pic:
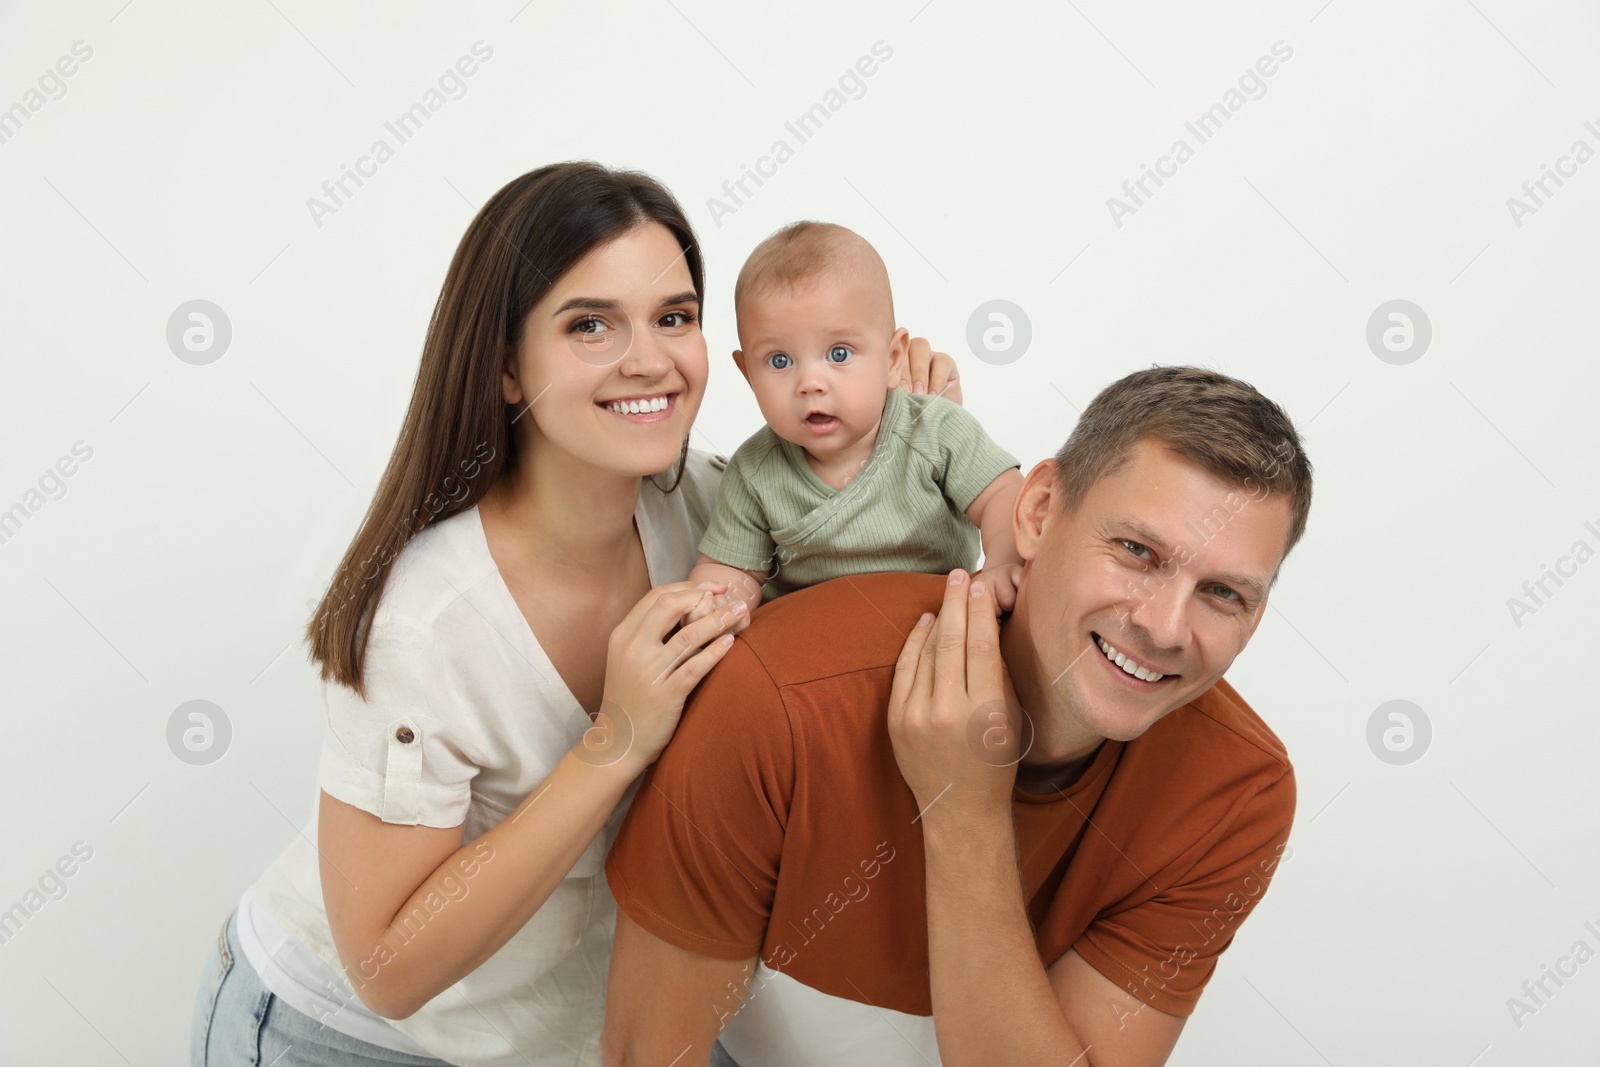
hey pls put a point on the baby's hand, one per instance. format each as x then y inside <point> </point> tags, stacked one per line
<point>727,584</point>
<point>710,605</point>
<point>1003,579</point>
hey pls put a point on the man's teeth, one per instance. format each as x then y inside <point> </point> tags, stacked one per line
<point>639,407</point>
<point>1127,664</point>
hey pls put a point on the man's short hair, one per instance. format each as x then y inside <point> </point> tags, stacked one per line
<point>801,251</point>
<point>1218,422</point>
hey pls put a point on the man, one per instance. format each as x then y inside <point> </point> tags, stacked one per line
<point>902,841</point>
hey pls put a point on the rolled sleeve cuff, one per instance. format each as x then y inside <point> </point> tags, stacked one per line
<point>398,794</point>
<point>665,929</point>
<point>1149,984</point>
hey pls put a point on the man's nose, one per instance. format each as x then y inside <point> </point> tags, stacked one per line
<point>1163,613</point>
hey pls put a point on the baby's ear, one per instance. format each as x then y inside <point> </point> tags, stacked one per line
<point>899,348</point>
<point>738,359</point>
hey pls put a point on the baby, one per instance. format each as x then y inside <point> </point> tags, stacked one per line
<point>850,475</point>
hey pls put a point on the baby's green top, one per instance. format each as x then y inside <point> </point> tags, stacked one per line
<point>905,510</point>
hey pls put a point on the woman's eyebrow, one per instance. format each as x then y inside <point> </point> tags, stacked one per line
<point>588,302</point>
<point>592,303</point>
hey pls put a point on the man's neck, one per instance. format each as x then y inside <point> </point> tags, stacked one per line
<point>1054,777</point>
<point>1061,745</point>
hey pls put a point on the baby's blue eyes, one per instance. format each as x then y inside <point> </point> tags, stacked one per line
<point>837,354</point>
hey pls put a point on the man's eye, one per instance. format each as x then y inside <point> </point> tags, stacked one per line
<point>778,361</point>
<point>1226,594</point>
<point>1135,547</point>
<point>839,354</point>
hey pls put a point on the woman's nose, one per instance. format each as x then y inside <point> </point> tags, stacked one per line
<point>646,357</point>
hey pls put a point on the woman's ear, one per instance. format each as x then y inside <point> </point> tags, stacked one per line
<point>510,388</point>
<point>899,348</point>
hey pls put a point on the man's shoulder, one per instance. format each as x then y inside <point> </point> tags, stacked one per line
<point>844,626</point>
<point>1213,750</point>
<point>1222,712</point>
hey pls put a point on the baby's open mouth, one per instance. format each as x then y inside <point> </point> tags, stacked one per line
<point>820,422</point>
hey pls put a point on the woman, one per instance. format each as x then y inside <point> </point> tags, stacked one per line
<point>504,649</point>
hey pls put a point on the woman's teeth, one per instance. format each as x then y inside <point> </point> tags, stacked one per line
<point>1128,666</point>
<point>638,407</point>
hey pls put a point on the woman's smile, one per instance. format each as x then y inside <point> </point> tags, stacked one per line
<point>642,407</point>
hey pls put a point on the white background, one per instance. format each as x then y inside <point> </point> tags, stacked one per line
<point>180,562</point>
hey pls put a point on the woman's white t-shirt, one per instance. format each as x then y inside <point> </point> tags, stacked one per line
<point>464,716</point>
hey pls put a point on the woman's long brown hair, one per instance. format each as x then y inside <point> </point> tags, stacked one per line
<point>456,440</point>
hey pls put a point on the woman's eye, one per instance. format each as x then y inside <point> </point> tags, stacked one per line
<point>587,324</point>
<point>1135,547</point>
<point>683,318</point>
<point>839,354</point>
<point>778,361</point>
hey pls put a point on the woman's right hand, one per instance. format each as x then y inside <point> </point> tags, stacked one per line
<point>654,660</point>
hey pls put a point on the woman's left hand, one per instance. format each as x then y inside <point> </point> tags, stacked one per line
<point>930,372</point>
<point>954,720</point>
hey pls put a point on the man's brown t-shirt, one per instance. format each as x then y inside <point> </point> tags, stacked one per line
<point>777,825</point>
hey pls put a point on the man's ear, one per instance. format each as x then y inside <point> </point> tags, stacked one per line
<point>738,359</point>
<point>899,348</point>
<point>1035,501</point>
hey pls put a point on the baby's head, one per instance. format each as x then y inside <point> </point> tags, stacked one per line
<point>817,339</point>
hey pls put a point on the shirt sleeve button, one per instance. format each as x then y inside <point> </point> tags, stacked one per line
<point>404,735</point>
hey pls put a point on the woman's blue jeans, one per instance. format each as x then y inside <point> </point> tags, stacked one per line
<point>238,1022</point>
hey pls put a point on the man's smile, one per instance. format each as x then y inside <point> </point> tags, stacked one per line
<point>1133,671</point>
